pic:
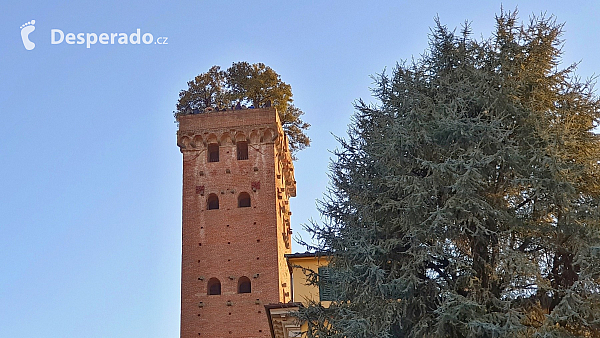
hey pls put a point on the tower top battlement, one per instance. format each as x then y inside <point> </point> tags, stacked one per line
<point>255,126</point>
<point>228,118</point>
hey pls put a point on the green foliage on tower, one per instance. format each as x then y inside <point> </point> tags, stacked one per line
<point>465,203</point>
<point>244,84</point>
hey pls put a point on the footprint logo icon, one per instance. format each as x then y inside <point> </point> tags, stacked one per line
<point>26,29</point>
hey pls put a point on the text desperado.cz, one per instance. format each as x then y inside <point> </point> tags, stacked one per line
<point>57,36</point>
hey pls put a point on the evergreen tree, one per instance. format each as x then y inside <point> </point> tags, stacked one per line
<point>465,203</point>
<point>243,83</point>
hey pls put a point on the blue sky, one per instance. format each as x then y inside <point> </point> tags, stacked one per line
<point>90,202</point>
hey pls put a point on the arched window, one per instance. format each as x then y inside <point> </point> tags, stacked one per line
<point>242,150</point>
<point>213,152</point>
<point>213,202</point>
<point>214,287</point>
<point>244,285</point>
<point>244,200</point>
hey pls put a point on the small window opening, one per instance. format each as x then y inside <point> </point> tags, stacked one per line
<point>214,286</point>
<point>244,200</point>
<point>213,152</point>
<point>213,202</point>
<point>242,150</point>
<point>244,285</point>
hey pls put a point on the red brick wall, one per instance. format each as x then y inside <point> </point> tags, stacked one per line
<point>232,242</point>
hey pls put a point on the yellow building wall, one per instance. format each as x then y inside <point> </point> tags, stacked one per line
<point>303,292</point>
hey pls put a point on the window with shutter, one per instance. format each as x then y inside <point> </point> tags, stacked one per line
<point>325,287</point>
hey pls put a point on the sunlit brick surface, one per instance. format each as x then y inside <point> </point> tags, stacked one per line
<point>232,242</point>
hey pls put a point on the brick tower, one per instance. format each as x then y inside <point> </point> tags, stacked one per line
<point>237,179</point>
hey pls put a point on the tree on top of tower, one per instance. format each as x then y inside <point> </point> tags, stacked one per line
<point>205,90</point>
<point>255,85</point>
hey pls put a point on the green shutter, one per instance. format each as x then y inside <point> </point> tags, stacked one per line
<point>325,289</point>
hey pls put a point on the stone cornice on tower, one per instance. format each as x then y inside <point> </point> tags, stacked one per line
<point>259,126</point>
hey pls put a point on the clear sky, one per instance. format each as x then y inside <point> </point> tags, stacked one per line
<point>90,174</point>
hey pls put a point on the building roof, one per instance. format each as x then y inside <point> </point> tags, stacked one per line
<point>306,254</point>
